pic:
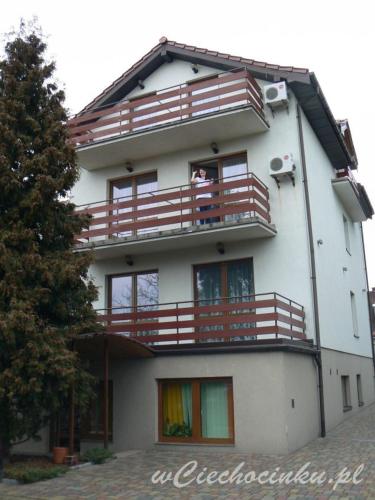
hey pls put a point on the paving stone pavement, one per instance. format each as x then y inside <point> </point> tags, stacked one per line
<point>129,476</point>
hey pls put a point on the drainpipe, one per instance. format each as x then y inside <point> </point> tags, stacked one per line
<point>369,305</point>
<point>318,356</point>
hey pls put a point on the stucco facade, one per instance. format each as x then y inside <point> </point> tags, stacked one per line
<point>276,406</point>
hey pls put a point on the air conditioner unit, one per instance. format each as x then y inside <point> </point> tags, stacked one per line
<point>275,94</point>
<point>282,165</point>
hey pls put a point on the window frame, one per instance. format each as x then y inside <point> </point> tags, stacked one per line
<point>196,412</point>
<point>346,234</point>
<point>134,278</point>
<point>219,159</point>
<point>346,395</point>
<point>132,179</point>
<point>353,308</point>
<point>359,390</point>
<point>223,265</point>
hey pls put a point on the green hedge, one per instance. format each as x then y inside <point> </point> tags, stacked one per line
<point>31,474</point>
<point>97,455</point>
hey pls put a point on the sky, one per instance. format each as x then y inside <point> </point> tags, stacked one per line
<point>94,42</point>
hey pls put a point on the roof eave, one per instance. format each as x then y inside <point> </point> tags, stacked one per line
<point>317,111</point>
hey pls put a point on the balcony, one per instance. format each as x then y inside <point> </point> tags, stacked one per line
<point>170,218</point>
<point>244,319</point>
<point>223,107</point>
<point>352,195</point>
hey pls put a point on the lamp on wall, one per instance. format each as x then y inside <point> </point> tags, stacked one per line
<point>195,68</point>
<point>220,248</point>
<point>129,260</point>
<point>214,147</point>
<point>129,167</point>
<point>141,84</point>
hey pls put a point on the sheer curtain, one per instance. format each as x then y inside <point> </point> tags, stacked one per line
<point>209,290</point>
<point>240,286</point>
<point>236,166</point>
<point>214,410</point>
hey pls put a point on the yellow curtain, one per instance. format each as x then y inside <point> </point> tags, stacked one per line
<point>172,404</point>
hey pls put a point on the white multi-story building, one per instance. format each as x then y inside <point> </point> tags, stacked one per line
<point>245,323</point>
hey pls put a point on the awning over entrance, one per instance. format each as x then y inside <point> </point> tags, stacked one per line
<point>118,346</point>
<point>105,347</point>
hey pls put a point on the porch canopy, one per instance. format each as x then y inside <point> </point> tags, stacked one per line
<point>115,345</point>
<point>105,346</point>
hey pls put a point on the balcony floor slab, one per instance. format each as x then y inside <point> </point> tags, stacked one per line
<point>174,136</point>
<point>189,237</point>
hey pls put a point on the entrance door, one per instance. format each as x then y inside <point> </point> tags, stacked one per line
<point>224,282</point>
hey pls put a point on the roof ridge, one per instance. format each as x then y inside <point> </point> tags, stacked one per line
<point>225,55</point>
<point>192,48</point>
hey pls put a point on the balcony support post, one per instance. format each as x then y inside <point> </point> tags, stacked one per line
<point>71,420</point>
<point>106,393</point>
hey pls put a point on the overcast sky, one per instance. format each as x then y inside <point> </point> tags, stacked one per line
<point>95,42</point>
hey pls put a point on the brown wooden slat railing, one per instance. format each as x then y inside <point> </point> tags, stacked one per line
<point>232,89</point>
<point>232,319</point>
<point>242,197</point>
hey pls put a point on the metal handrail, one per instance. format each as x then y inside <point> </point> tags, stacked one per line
<point>275,295</point>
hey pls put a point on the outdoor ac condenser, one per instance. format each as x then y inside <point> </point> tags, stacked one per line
<point>275,94</point>
<point>282,165</point>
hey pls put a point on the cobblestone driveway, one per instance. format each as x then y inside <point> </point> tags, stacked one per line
<point>129,477</point>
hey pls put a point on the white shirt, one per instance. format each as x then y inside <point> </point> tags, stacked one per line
<point>202,183</point>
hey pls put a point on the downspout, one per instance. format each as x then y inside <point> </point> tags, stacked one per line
<point>369,305</point>
<point>318,356</point>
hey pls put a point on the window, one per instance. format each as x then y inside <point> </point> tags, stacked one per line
<point>139,291</point>
<point>359,391</point>
<point>93,420</point>
<point>133,188</point>
<point>196,410</point>
<point>346,232</point>
<point>224,282</point>
<point>345,387</point>
<point>354,314</point>
<point>226,169</point>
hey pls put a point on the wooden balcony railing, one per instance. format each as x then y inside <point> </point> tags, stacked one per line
<point>221,92</point>
<point>268,315</point>
<point>233,199</point>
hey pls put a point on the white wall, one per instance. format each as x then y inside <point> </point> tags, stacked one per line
<point>262,382</point>
<point>333,281</point>
<point>170,75</point>
<point>281,263</point>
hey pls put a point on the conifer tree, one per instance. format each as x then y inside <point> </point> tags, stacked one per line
<point>45,291</point>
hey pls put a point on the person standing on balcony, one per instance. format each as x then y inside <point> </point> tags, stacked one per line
<point>199,179</point>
